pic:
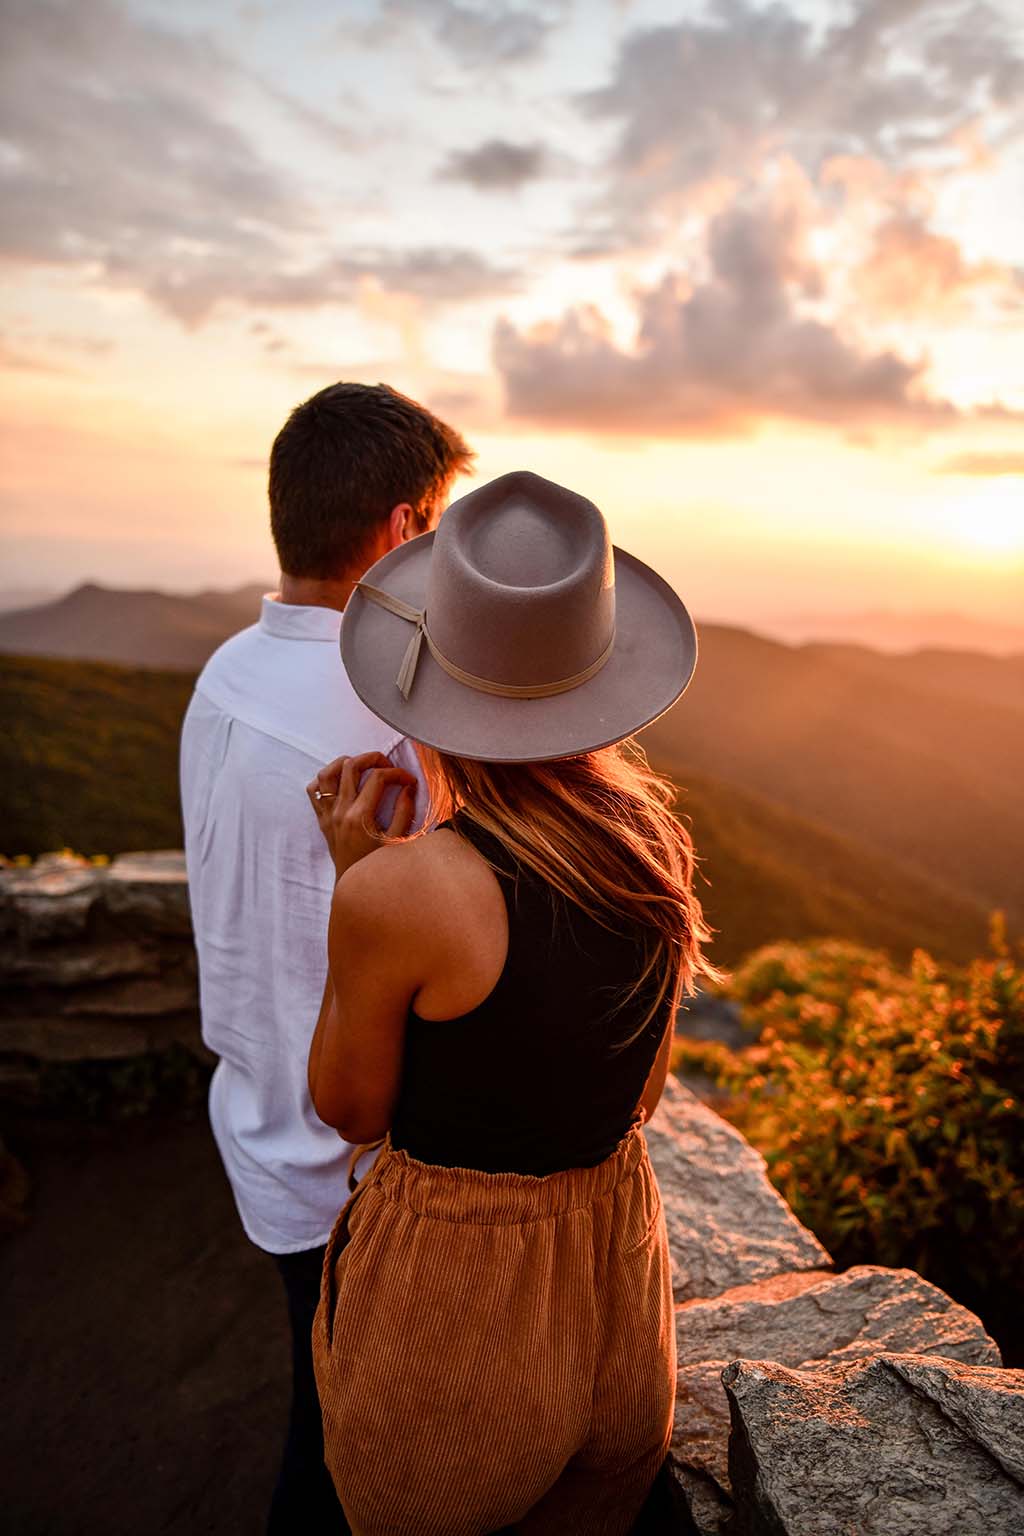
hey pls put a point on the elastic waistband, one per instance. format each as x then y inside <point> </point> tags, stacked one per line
<point>500,1199</point>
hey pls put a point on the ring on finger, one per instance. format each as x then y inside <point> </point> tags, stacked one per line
<point>323,794</point>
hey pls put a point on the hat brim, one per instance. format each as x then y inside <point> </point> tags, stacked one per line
<point>652,661</point>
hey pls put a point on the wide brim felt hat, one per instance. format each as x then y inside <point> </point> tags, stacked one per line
<point>516,632</point>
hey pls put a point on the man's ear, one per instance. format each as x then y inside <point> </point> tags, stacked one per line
<point>400,524</point>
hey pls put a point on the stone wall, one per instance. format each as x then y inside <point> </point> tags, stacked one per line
<point>808,1403</point>
<point>96,962</point>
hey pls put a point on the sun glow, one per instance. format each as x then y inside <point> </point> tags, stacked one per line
<point>989,519</point>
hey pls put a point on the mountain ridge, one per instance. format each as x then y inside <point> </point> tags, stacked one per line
<point>53,627</point>
<point>90,761</point>
<point>912,758</point>
<point>131,627</point>
<point>896,633</point>
<point>928,775</point>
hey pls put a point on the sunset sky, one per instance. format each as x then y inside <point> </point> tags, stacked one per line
<point>749,275</point>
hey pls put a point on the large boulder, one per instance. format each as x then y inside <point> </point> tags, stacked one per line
<point>727,1225</point>
<point>797,1319</point>
<point>709,1016</point>
<point>892,1446</point>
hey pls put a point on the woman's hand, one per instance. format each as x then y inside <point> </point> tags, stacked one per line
<point>346,809</point>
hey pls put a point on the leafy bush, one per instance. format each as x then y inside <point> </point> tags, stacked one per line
<point>830,970</point>
<point>889,1105</point>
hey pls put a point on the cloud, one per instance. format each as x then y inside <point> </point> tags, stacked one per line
<point>717,355</point>
<point>497,165</point>
<point>784,172</point>
<point>911,271</point>
<point>14,360</point>
<point>120,158</point>
<point>456,402</point>
<point>719,97</point>
<point>994,463</point>
<point>90,346</point>
<point>433,274</point>
<point>483,34</point>
<point>14,357</point>
<point>430,275</point>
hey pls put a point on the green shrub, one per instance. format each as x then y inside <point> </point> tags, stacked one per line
<point>889,1106</point>
<point>785,975</point>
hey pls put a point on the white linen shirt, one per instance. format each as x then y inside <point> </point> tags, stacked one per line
<point>271,706</point>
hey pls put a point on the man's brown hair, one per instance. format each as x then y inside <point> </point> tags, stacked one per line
<point>339,464</point>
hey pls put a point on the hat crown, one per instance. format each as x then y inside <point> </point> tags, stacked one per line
<point>521,588</point>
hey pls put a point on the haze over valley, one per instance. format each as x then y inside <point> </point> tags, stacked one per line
<point>831,788</point>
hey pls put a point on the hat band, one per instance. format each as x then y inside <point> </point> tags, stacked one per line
<point>407,671</point>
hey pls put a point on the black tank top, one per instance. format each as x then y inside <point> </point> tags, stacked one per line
<point>530,1081</point>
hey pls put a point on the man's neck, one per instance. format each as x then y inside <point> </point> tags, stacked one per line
<point>308,592</point>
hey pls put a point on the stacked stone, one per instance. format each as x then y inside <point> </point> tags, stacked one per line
<point>811,1403</point>
<point>96,962</point>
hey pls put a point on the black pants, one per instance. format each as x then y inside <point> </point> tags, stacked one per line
<point>304,1499</point>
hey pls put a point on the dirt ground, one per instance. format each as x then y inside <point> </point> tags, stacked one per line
<point>144,1369</point>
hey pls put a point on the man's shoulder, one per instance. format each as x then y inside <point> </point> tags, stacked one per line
<point>230,652</point>
<point>294,693</point>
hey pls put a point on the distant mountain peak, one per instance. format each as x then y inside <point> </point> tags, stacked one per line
<point>137,628</point>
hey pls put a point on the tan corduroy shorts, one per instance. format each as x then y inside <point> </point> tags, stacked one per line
<point>497,1349</point>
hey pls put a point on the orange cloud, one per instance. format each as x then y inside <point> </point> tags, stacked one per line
<point>983,464</point>
<point>719,354</point>
<point>911,270</point>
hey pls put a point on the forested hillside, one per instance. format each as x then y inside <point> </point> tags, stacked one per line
<point>90,755</point>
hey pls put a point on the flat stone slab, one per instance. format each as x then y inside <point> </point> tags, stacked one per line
<point>151,888</point>
<point>53,898</point>
<point>138,998</point>
<point>56,1039</point>
<point>161,865</point>
<point>892,1446</point>
<point>77,964</point>
<point>50,899</point>
<point>798,1319</point>
<point>727,1225</point>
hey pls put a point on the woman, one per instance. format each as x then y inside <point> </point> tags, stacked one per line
<point>495,1340</point>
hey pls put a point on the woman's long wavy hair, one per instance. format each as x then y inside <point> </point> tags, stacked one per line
<point>600,830</point>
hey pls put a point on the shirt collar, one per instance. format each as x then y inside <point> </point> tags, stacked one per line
<point>295,621</point>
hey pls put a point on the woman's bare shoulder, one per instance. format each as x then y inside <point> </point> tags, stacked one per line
<point>431,909</point>
<point>401,880</point>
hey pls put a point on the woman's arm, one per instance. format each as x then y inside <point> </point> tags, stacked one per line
<point>326,1007</point>
<point>358,1037</point>
<point>374,972</point>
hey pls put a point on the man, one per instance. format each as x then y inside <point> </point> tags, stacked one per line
<point>355,470</point>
